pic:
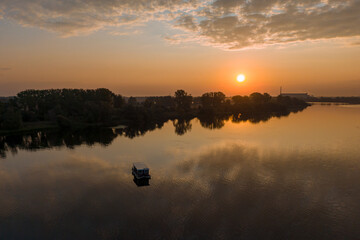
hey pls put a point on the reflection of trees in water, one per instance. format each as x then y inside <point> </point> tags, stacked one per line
<point>51,139</point>
<point>223,193</point>
<point>213,122</point>
<point>138,130</point>
<point>257,117</point>
<point>105,136</point>
<point>182,126</point>
<point>70,138</point>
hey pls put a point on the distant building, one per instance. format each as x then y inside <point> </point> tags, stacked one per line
<point>303,96</point>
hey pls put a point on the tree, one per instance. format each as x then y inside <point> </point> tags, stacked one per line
<point>63,122</point>
<point>213,100</point>
<point>267,97</point>
<point>149,102</point>
<point>132,101</point>
<point>259,98</point>
<point>256,97</point>
<point>11,120</point>
<point>104,95</point>
<point>183,101</point>
<point>237,100</point>
<point>118,101</point>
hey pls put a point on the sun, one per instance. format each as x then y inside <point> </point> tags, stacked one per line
<point>240,78</point>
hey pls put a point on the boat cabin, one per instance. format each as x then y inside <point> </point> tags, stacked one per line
<point>140,171</point>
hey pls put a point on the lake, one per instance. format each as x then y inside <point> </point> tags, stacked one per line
<point>290,177</point>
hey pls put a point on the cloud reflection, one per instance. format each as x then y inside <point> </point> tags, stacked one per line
<point>224,193</point>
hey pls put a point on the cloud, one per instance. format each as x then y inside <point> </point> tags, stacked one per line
<point>355,43</point>
<point>242,24</point>
<point>74,17</point>
<point>230,24</point>
<point>5,68</point>
<point>125,33</point>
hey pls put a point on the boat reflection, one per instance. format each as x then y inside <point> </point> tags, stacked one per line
<point>141,182</point>
<point>224,191</point>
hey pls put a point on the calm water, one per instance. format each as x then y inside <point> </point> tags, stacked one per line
<point>294,177</point>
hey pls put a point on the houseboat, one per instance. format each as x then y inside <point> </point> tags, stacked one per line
<point>140,171</point>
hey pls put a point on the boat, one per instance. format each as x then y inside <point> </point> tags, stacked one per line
<point>140,171</point>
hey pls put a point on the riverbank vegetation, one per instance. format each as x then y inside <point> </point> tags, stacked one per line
<point>79,108</point>
<point>341,100</point>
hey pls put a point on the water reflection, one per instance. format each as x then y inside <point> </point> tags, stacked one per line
<point>105,136</point>
<point>53,139</point>
<point>182,126</point>
<point>137,130</point>
<point>213,122</point>
<point>258,117</point>
<point>223,193</point>
<point>141,182</point>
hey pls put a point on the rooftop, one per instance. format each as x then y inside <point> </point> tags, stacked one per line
<point>294,94</point>
<point>140,165</point>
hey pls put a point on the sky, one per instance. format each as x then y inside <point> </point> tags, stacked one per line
<point>154,47</point>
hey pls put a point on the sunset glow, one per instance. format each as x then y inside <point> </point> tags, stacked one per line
<point>241,78</point>
<point>163,47</point>
<point>179,119</point>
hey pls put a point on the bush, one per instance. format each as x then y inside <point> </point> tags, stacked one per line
<point>63,122</point>
<point>11,120</point>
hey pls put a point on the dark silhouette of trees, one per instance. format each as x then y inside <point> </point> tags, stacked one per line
<point>237,100</point>
<point>132,101</point>
<point>259,98</point>
<point>340,100</point>
<point>79,108</point>
<point>212,100</point>
<point>90,106</point>
<point>80,114</point>
<point>10,116</point>
<point>63,122</point>
<point>118,101</point>
<point>166,103</point>
<point>10,119</point>
<point>183,101</point>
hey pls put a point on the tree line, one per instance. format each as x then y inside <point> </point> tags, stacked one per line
<point>72,108</point>
<point>347,100</point>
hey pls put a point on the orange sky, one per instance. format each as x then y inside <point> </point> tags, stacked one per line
<point>159,56</point>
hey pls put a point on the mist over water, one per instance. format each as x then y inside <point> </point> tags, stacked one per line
<point>237,182</point>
